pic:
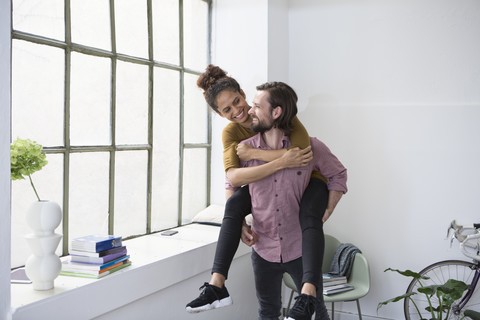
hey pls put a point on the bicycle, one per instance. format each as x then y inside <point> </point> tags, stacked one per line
<point>439,272</point>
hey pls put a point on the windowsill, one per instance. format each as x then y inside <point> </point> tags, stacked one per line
<point>157,263</point>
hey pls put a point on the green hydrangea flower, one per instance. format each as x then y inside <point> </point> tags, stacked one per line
<point>26,157</point>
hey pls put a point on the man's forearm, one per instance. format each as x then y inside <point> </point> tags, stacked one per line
<point>333,199</point>
<point>229,193</point>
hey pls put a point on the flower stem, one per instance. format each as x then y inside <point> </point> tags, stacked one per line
<point>34,190</point>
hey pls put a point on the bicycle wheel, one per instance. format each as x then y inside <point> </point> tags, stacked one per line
<point>439,273</point>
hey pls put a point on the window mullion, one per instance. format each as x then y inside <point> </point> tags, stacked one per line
<point>181,117</point>
<point>111,198</point>
<point>66,159</point>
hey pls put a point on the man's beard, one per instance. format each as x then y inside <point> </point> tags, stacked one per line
<point>261,127</point>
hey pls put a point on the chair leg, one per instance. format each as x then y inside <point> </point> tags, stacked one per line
<point>358,308</point>
<point>289,302</point>
<point>333,310</point>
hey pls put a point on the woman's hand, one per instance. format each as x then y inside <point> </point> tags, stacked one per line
<point>245,152</point>
<point>297,157</point>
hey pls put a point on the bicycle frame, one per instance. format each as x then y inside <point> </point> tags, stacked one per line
<point>457,308</point>
<point>467,242</point>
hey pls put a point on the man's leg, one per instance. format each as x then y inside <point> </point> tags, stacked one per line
<point>268,284</point>
<point>214,294</point>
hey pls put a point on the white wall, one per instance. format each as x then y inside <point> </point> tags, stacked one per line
<point>5,159</point>
<point>240,47</point>
<point>393,88</point>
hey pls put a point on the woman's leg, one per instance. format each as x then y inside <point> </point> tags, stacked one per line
<point>214,294</point>
<point>295,269</point>
<point>312,207</point>
<point>238,206</point>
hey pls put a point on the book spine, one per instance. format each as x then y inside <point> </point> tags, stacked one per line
<point>106,265</point>
<point>102,246</point>
<point>99,260</point>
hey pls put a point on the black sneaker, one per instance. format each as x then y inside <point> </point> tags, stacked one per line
<point>303,309</point>
<point>211,297</point>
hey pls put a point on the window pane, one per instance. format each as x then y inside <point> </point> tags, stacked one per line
<point>49,185</point>
<point>194,183</point>
<point>195,33</point>
<point>38,101</point>
<point>165,149</point>
<point>91,23</point>
<point>40,17</point>
<point>90,100</point>
<point>132,103</point>
<point>165,31</point>
<point>130,193</point>
<point>131,27</point>
<point>196,112</point>
<point>89,185</point>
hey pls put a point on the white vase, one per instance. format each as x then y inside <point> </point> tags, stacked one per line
<point>43,265</point>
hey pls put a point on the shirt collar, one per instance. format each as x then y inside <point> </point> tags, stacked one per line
<point>259,143</point>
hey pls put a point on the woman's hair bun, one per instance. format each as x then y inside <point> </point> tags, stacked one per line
<point>210,76</point>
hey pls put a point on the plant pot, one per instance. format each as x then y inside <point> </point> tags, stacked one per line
<point>43,266</point>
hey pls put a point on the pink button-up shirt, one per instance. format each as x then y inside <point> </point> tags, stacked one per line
<point>276,200</point>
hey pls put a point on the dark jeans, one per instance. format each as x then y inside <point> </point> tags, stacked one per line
<point>268,283</point>
<point>238,206</point>
<point>312,207</point>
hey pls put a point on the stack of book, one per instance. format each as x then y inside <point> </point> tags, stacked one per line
<point>333,284</point>
<point>95,256</point>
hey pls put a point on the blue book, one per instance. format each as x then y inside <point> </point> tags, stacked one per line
<point>96,242</point>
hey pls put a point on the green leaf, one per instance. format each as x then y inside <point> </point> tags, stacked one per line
<point>403,296</point>
<point>408,273</point>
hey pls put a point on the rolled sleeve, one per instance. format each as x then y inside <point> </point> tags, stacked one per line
<point>329,165</point>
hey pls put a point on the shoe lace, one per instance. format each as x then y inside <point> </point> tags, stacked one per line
<point>205,286</point>
<point>303,303</point>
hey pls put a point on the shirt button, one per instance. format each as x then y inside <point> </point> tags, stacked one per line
<point>281,238</point>
<point>299,173</point>
<point>279,224</point>
<point>276,195</point>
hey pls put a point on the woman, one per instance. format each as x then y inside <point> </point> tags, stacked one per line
<point>226,98</point>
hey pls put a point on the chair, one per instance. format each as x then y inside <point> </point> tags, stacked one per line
<point>359,278</point>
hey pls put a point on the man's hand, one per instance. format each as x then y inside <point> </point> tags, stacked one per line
<point>297,157</point>
<point>333,198</point>
<point>245,152</point>
<point>248,236</point>
<point>326,215</point>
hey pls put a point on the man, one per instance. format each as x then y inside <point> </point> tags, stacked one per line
<point>276,233</point>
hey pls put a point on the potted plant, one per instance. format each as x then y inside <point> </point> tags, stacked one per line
<point>446,294</point>
<point>43,266</point>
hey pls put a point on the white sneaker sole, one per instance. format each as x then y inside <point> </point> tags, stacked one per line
<point>225,302</point>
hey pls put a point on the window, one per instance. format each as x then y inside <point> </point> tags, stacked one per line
<point>108,87</point>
